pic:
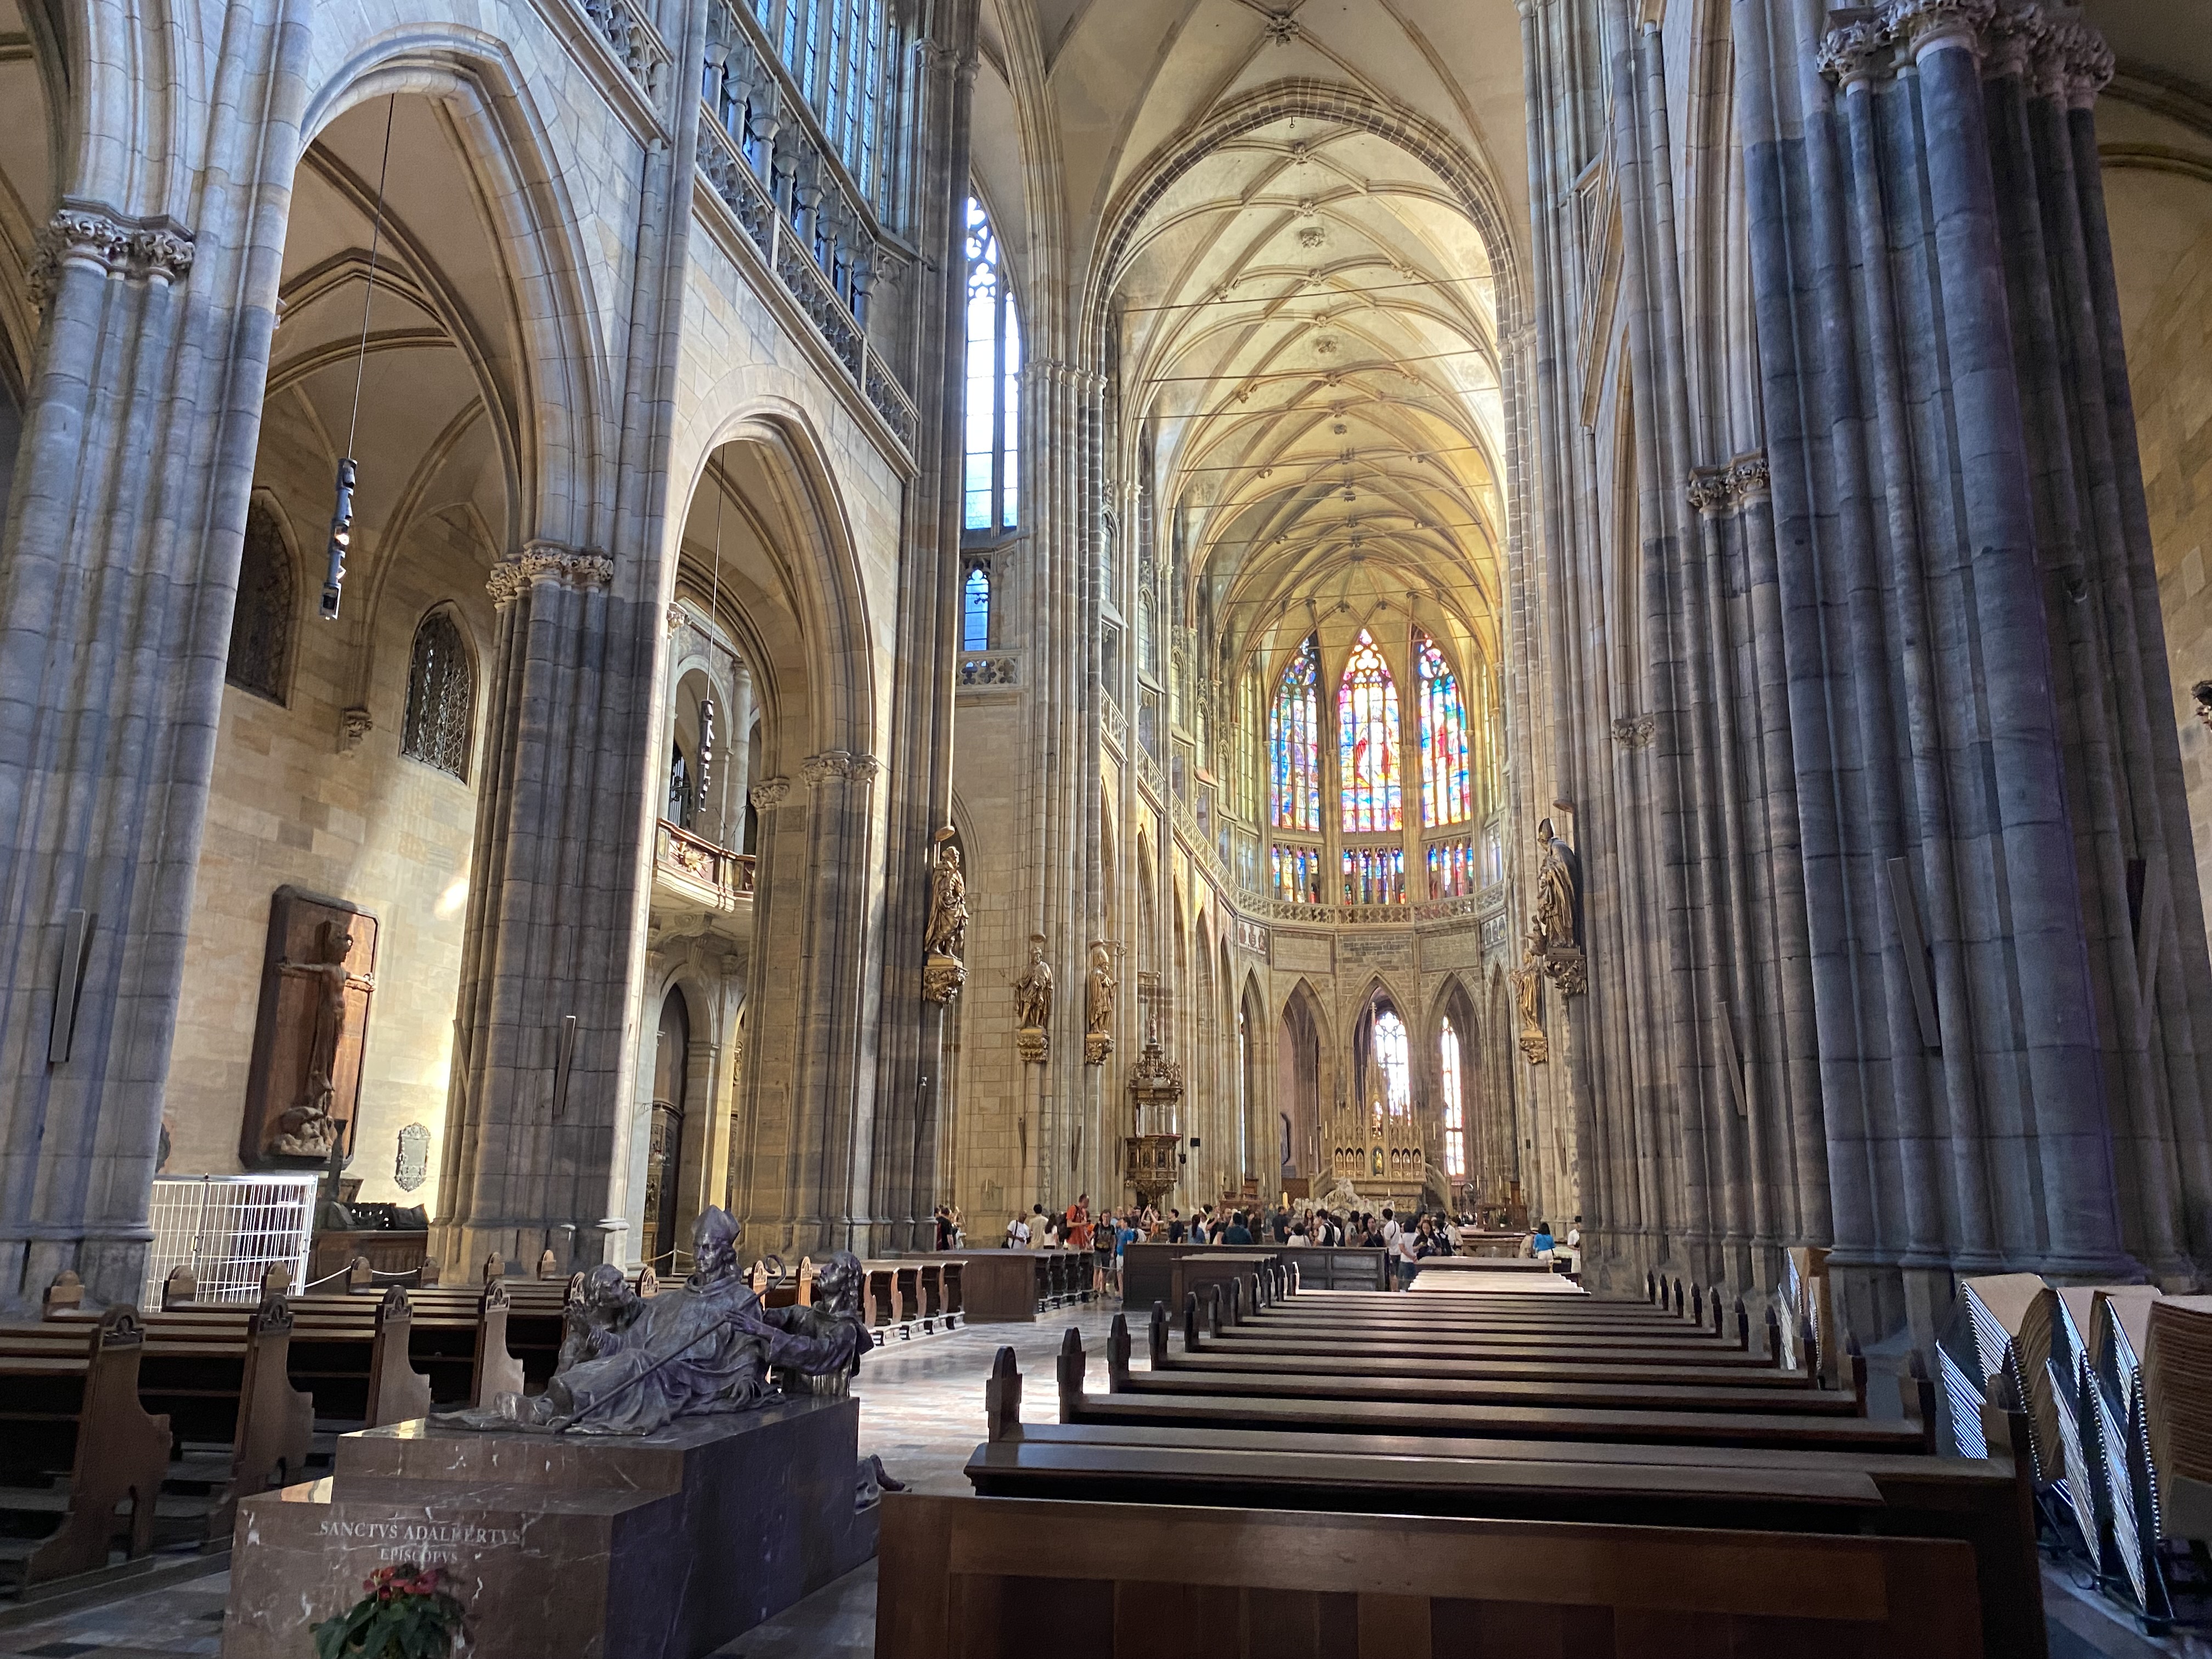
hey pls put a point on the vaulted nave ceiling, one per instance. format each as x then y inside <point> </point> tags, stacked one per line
<point>1305,310</point>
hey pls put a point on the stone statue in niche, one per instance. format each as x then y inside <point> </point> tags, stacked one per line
<point>632,1365</point>
<point>1033,989</point>
<point>1528,983</point>
<point>1556,932</point>
<point>1559,890</point>
<point>317,976</point>
<point>1099,1006</point>
<point>1033,1003</point>
<point>945,938</point>
<point>947,935</point>
<point>412,1167</point>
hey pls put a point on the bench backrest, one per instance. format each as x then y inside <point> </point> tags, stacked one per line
<point>964,1577</point>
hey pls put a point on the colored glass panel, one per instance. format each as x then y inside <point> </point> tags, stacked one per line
<point>976,610</point>
<point>1391,1058</point>
<point>1294,743</point>
<point>991,416</point>
<point>1448,1065</point>
<point>1367,740</point>
<point>1446,791</point>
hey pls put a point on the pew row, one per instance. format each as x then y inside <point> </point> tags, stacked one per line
<point>977,1578</point>
<point>82,1461</point>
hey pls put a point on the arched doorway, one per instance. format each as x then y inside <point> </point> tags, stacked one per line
<point>664,1159</point>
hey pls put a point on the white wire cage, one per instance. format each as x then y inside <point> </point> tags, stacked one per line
<point>229,1230</point>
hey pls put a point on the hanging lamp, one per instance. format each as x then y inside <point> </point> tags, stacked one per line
<point>342,511</point>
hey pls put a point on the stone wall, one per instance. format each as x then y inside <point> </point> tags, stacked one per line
<point>2163,249</point>
<point>383,832</point>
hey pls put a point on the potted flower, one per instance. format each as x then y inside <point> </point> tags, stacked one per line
<point>407,1614</point>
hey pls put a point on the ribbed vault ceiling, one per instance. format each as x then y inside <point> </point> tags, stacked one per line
<point>1307,336</point>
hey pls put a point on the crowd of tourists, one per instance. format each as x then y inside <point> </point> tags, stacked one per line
<point>1107,1234</point>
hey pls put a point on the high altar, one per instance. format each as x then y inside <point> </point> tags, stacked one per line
<point>1378,1151</point>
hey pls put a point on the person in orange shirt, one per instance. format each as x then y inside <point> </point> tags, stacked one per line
<point>1079,1223</point>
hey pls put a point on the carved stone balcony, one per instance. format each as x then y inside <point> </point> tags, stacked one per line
<point>691,875</point>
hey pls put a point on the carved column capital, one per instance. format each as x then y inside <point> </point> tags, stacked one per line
<point>87,234</point>
<point>1927,26</point>
<point>1635,731</point>
<point>1749,477</point>
<point>547,560</point>
<point>817,769</point>
<point>2078,62</point>
<point>1710,490</point>
<point>1854,54</point>
<point>770,794</point>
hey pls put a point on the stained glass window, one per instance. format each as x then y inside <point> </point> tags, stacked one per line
<point>441,697</point>
<point>991,481</point>
<point>261,620</point>
<point>1447,795</point>
<point>1367,740</point>
<point>1374,875</point>
<point>1451,868</point>
<point>975,608</point>
<point>1294,742</point>
<point>1390,1057</point>
<point>1455,1106</point>
<point>1298,873</point>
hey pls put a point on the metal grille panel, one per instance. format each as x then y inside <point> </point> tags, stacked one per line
<point>229,1230</point>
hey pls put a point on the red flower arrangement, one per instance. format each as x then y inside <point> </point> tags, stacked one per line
<point>408,1614</point>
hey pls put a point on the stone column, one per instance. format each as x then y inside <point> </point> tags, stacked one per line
<point>899,1179</point>
<point>531,1150</point>
<point>118,566</point>
<point>1980,771</point>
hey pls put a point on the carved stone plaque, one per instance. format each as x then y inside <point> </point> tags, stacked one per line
<point>413,1165</point>
<point>318,973</point>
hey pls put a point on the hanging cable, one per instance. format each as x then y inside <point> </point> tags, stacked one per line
<point>342,511</point>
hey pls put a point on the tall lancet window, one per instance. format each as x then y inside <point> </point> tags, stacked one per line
<point>1367,740</point>
<point>991,483</point>
<point>1447,792</point>
<point>1454,1102</point>
<point>1391,1058</point>
<point>1294,742</point>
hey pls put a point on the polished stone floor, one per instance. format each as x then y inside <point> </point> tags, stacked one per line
<point>922,1411</point>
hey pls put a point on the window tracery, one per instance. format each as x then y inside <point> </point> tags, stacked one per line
<point>1367,739</point>
<point>441,697</point>
<point>1447,1061</point>
<point>991,472</point>
<point>1447,790</point>
<point>261,618</point>
<point>1294,742</point>
<point>976,606</point>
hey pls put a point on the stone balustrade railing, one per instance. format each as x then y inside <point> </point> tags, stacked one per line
<point>694,859</point>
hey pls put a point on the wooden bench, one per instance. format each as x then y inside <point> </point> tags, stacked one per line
<point>220,1376</point>
<point>1350,1407</point>
<point>82,1461</point>
<point>979,1577</point>
<point>458,1338</point>
<point>351,1355</point>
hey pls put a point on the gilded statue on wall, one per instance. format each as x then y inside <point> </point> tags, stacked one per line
<point>944,937</point>
<point>947,933</point>
<point>1528,983</point>
<point>1099,1006</point>
<point>1556,928</point>
<point>1033,1002</point>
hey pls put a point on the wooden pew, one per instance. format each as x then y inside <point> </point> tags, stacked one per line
<point>1321,1409</point>
<point>1988,1505</point>
<point>220,1374</point>
<point>1445,1384</point>
<point>76,1448</point>
<point>351,1355</point>
<point>978,1577</point>
<point>457,1337</point>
